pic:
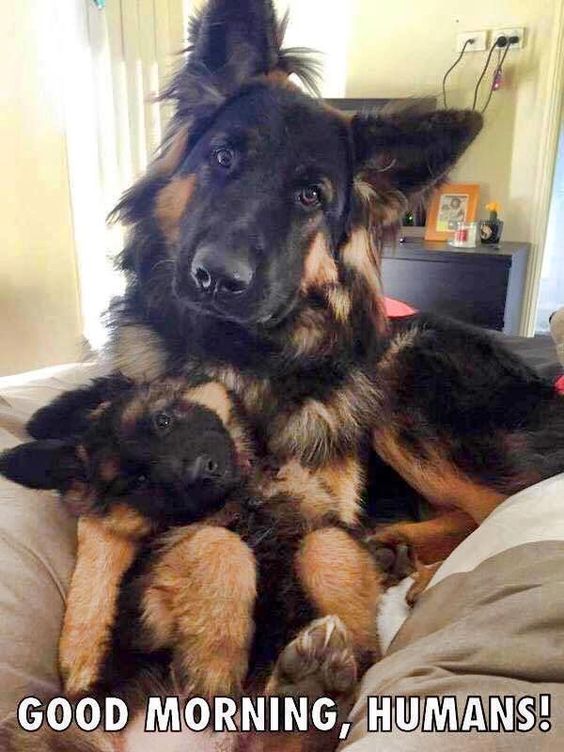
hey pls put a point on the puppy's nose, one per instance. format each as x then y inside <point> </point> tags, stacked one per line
<point>222,272</point>
<point>202,468</point>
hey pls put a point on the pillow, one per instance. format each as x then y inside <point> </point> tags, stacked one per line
<point>37,548</point>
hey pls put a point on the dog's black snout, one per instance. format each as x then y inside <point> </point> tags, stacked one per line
<point>219,272</point>
<point>204,467</point>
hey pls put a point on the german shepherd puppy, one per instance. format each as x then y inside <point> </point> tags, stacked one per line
<point>247,557</point>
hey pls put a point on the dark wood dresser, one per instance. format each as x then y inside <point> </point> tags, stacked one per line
<point>482,286</point>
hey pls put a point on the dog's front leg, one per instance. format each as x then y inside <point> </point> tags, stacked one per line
<point>199,601</point>
<point>342,579</point>
<point>103,557</point>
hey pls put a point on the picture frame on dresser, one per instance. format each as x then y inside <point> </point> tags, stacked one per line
<point>450,204</point>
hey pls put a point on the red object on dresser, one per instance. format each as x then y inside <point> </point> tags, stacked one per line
<point>396,309</point>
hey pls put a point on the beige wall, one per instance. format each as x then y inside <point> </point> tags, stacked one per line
<point>402,48</point>
<point>39,308</point>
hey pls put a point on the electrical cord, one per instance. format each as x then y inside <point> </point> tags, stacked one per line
<point>453,66</point>
<point>493,48</point>
<point>495,75</point>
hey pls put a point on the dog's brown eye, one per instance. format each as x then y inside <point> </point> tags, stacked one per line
<point>162,420</point>
<point>224,157</point>
<point>310,196</point>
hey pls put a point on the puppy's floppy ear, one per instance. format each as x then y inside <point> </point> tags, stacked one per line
<point>42,464</point>
<point>409,154</point>
<point>68,414</point>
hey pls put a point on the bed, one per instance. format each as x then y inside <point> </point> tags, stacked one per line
<point>490,622</point>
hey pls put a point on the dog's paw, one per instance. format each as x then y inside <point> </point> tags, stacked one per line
<point>421,579</point>
<point>394,558</point>
<point>319,662</point>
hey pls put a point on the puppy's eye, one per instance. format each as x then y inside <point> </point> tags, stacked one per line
<point>162,421</point>
<point>224,157</point>
<point>310,196</point>
<point>211,467</point>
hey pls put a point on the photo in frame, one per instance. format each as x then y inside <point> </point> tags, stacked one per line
<point>451,203</point>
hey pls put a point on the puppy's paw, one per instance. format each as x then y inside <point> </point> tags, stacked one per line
<point>319,662</point>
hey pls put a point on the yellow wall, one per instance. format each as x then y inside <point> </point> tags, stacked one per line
<point>402,48</point>
<point>39,308</point>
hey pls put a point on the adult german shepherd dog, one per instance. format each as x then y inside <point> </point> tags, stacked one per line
<point>253,260</point>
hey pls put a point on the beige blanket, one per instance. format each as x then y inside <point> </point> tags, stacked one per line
<point>491,625</point>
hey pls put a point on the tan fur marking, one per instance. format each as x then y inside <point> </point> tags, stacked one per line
<point>341,579</point>
<point>439,481</point>
<point>306,431</point>
<point>214,396</point>
<point>360,255</point>
<point>201,599</point>
<point>102,560</point>
<point>126,522</point>
<point>330,490</point>
<point>320,268</point>
<point>138,353</point>
<point>383,204</point>
<point>340,303</point>
<point>344,479</point>
<point>171,204</point>
<point>306,489</point>
<point>400,342</point>
<point>310,431</point>
<point>310,332</point>
<point>131,415</point>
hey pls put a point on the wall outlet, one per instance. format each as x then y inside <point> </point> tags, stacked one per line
<point>517,32</point>
<point>480,41</point>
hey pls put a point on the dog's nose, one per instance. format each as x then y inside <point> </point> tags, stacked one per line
<point>222,272</point>
<point>203,467</point>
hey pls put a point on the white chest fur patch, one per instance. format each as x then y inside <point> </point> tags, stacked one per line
<point>393,612</point>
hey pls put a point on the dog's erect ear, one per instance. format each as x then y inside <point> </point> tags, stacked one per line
<point>69,414</point>
<point>241,32</point>
<point>230,43</point>
<point>42,464</point>
<point>410,154</point>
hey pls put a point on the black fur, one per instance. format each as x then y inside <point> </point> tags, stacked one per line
<point>68,414</point>
<point>49,463</point>
<point>458,388</point>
